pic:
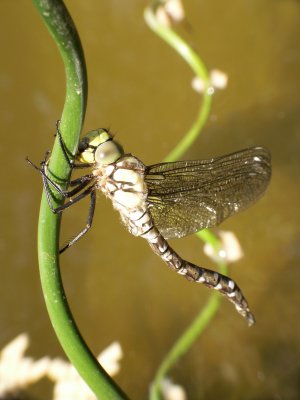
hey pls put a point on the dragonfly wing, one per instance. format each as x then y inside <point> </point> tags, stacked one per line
<point>187,196</point>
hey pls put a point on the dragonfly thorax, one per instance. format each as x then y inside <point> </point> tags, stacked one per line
<point>123,182</point>
<point>98,147</point>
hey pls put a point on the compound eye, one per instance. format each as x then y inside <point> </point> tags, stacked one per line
<point>108,153</point>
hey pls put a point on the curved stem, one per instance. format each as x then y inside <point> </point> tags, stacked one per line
<point>207,313</point>
<point>198,67</point>
<point>63,32</point>
<point>185,341</point>
<point>190,335</point>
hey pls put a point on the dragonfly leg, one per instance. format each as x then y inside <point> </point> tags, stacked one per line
<point>73,201</point>
<point>67,155</point>
<point>88,223</point>
<point>207,277</point>
<point>89,191</point>
<point>79,184</point>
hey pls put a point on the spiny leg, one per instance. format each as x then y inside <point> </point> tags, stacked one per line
<point>79,184</point>
<point>47,181</point>
<point>66,152</point>
<point>63,147</point>
<point>88,224</point>
<point>75,200</point>
<point>89,191</point>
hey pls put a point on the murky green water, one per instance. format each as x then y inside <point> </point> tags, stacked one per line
<point>117,288</point>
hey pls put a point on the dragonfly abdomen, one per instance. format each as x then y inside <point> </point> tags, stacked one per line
<point>222,284</point>
<point>192,272</point>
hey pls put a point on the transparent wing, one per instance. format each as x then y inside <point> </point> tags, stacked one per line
<point>187,196</point>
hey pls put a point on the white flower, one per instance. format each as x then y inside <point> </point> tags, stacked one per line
<point>17,371</point>
<point>217,80</point>
<point>174,9</point>
<point>172,391</point>
<point>171,10</point>
<point>110,358</point>
<point>230,249</point>
<point>69,384</point>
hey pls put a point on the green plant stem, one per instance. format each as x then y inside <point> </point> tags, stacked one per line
<point>196,328</point>
<point>198,67</point>
<point>183,344</point>
<point>207,313</point>
<point>63,32</point>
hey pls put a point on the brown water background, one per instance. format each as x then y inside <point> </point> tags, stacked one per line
<point>117,288</point>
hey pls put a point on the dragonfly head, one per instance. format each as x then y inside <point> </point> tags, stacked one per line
<point>98,147</point>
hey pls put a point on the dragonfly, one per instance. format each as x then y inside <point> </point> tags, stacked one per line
<point>166,200</point>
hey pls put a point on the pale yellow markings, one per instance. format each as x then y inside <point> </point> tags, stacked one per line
<point>110,187</point>
<point>87,156</point>
<point>182,271</point>
<point>128,199</point>
<point>136,214</point>
<point>143,220</point>
<point>152,236</point>
<point>109,169</point>
<point>231,285</point>
<point>232,294</point>
<point>126,175</point>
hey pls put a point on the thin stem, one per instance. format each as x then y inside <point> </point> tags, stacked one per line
<point>207,313</point>
<point>196,328</point>
<point>185,341</point>
<point>198,67</point>
<point>63,32</point>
